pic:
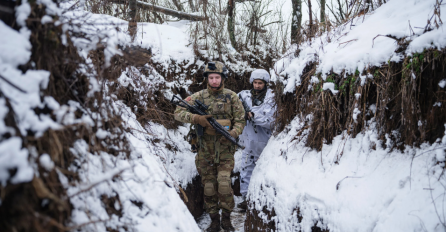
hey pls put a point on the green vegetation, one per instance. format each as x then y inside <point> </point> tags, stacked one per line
<point>376,74</point>
<point>416,62</point>
<point>349,81</point>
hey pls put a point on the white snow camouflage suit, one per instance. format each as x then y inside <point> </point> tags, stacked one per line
<point>255,142</point>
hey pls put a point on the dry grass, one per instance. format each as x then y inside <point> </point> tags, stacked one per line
<point>403,94</point>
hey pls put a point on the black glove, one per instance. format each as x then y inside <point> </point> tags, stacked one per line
<point>247,116</point>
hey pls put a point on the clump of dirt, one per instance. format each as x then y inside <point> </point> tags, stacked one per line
<point>254,223</point>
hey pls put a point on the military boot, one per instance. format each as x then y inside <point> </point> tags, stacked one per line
<point>226,222</point>
<point>215,224</point>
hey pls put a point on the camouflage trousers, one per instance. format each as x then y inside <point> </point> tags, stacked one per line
<point>216,177</point>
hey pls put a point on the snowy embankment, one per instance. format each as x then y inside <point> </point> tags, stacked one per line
<point>20,93</point>
<point>160,162</point>
<point>360,183</point>
<point>363,42</point>
<point>370,189</point>
<point>112,189</point>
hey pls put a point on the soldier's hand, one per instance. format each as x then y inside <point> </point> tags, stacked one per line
<point>249,115</point>
<point>202,120</point>
<point>223,140</point>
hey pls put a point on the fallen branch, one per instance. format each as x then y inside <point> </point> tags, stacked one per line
<point>347,41</point>
<point>11,84</point>
<point>388,36</point>
<point>167,11</point>
<point>339,183</point>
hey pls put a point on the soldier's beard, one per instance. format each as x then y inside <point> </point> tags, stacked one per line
<point>260,90</point>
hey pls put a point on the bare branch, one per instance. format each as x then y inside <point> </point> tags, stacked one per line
<point>12,84</point>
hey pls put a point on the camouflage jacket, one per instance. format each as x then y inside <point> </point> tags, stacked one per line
<point>223,104</point>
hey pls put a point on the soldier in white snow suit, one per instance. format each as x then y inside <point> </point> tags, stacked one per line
<point>260,100</point>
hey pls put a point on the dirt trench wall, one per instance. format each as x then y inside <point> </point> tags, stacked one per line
<point>43,203</point>
<point>195,198</point>
<point>401,97</point>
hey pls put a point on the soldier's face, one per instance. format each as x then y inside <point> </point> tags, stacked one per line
<point>258,84</point>
<point>214,79</point>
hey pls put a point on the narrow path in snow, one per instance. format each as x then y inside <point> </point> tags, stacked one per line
<point>237,218</point>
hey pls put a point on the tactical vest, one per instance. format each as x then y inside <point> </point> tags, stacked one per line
<point>220,107</point>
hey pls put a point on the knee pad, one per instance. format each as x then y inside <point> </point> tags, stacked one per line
<point>224,182</point>
<point>209,189</point>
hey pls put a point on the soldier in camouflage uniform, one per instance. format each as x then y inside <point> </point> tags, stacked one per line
<point>215,158</point>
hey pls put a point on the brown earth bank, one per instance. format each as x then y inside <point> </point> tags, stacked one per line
<point>43,205</point>
<point>404,94</point>
<point>194,194</point>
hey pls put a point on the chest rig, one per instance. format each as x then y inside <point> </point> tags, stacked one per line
<point>219,104</point>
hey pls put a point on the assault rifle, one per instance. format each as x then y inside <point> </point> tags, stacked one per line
<point>248,109</point>
<point>200,109</point>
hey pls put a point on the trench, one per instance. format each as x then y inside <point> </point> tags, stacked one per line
<point>195,204</point>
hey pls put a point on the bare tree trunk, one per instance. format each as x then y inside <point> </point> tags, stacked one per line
<point>311,19</point>
<point>296,21</point>
<point>255,24</point>
<point>367,6</point>
<point>341,12</point>
<point>231,7</point>
<point>206,25</point>
<point>178,5</point>
<point>132,19</point>
<point>192,6</point>
<point>323,14</point>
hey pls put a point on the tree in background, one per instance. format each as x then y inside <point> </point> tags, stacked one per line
<point>296,22</point>
<point>133,26</point>
<point>323,15</point>
<point>231,7</point>
<point>255,32</point>
<point>310,25</point>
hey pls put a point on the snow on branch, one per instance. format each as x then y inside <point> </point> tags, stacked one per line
<point>167,11</point>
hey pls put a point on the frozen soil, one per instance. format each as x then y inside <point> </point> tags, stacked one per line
<point>237,218</point>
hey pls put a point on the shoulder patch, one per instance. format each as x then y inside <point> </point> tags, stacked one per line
<point>188,99</point>
<point>228,98</point>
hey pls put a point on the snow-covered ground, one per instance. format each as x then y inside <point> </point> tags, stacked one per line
<point>147,186</point>
<point>351,185</point>
<point>356,184</point>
